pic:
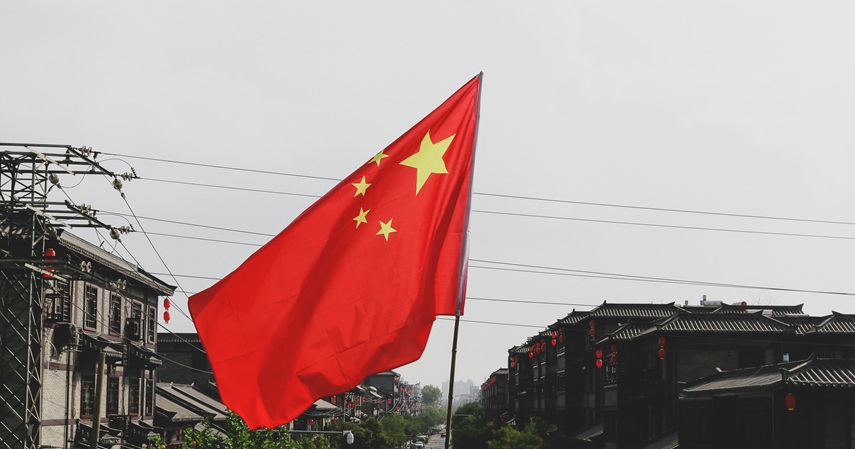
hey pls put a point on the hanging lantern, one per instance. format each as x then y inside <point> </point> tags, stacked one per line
<point>790,402</point>
<point>614,358</point>
<point>166,316</point>
<point>554,342</point>
<point>599,363</point>
<point>662,354</point>
<point>49,253</point>
<point>599,353</point>
<point>662,342</point>
<point>166,303</point>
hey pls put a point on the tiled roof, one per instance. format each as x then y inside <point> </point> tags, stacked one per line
<point>651,311</point>
<point>89,251</point>
<point>178,337</point>
<point>837,323</point>
<point>824,373</point>
<point>176,412</point>
<point>744,379</point>
<point>630,331</point>
<point>774,311</point>
<point>724,323</point>
<point>518,350</point>
<point>574,317</point>
<point>189,397</point>
<point>816,373</point>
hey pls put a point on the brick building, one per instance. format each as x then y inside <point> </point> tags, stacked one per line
<point>108,307</point>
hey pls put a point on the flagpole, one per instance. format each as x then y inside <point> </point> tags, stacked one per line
<point>464,262</point>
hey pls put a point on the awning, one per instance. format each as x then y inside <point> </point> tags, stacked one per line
<point>324,406</point>
<point>97,343</point>
<point>669,441</point>
<point>590,433</point>
<point>142,354</point>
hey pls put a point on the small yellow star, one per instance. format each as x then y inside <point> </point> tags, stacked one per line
<point>386,229</point>
<point>379,156</point>
<point>428,160</point>
<point>361,187</point>
<point>362,217</point>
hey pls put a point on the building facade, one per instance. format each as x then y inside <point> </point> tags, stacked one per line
<point>106,312</point>
<point>614,374</point>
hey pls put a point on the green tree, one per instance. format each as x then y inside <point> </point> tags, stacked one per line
<point>509,438</point>
<point>431,396</point>
<point>395,428</point>
<point>429,418</point>
<point>470,429</point>
<point>236,436</point>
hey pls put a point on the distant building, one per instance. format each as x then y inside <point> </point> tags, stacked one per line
<point>494,395</point>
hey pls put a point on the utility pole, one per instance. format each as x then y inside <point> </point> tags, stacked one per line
<point>27,220</point>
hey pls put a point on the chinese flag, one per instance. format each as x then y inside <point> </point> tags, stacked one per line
<point>353,285</point>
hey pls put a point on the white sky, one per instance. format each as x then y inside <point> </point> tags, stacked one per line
<point>734,107</point>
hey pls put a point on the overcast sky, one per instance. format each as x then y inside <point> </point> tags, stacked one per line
<point>727,107</point>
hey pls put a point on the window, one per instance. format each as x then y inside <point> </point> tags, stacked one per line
<point>152,324</point>
<point>133,326</point>
<point>115,314</point>
<point>134,395</point>
<point>58,301</point>
<point>112,395</point>
<point>90,316</point>
<point>87,396</point>
<point>149,396</point>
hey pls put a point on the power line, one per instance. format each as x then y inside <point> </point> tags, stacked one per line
<point>498,195</point>
<point>156,252</point>
<point>659,225</point>
<point>628,277</point>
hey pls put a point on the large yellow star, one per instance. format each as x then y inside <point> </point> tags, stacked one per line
<point>378,157</point>
<point>428,160</point>
<point>361,187</point>
<point>386,229</point>
<point>362,217</point>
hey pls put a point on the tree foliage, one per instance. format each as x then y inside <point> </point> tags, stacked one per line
<point>470,429</point>
<point>431,396</point>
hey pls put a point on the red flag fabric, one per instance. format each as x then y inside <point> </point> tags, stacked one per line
<point>353,285</point>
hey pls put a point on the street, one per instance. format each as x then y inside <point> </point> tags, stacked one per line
<point>435,442</point>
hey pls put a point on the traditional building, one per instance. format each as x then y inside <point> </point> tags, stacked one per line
<point>615,373</point>
<point>808,403</point>
<point>100,321</point>
<point>494,395</point>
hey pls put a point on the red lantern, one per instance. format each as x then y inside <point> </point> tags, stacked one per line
<point>662,354</point>
<point>166,303</point>
<point>790,402</point>
<point>614,358</point>
<point>554,342</point>
<point>599,353</point>
<point>166,317</point>
<point>592,332</point>
<point>614,347</point>
<point>599,363</point>
<point>49,253</point>
<point>531,355</point>
<point>662,341</point>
